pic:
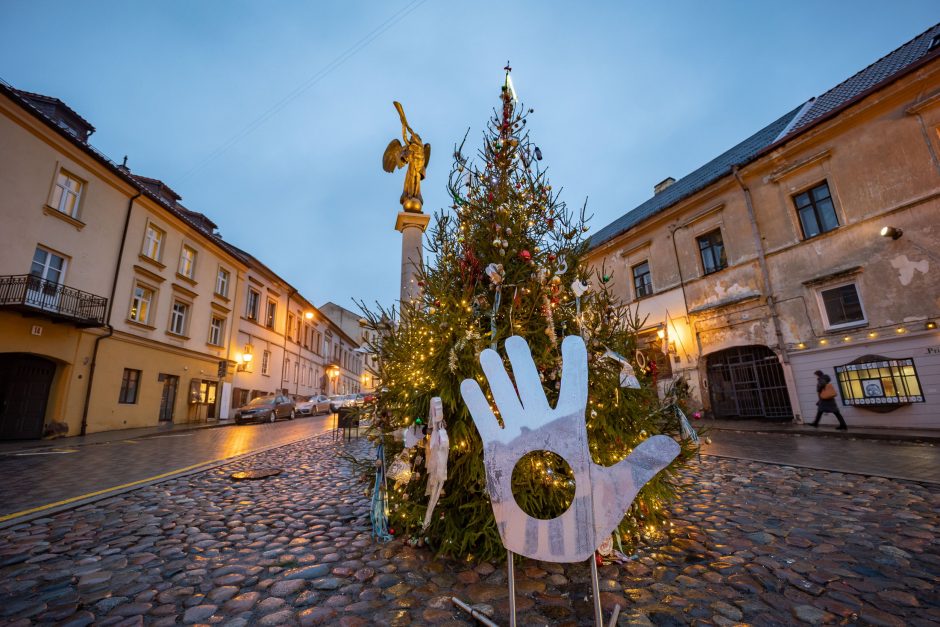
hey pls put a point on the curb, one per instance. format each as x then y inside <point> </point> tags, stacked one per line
<point>829,432</point>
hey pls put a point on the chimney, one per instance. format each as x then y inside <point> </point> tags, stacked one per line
<point>663,184</point>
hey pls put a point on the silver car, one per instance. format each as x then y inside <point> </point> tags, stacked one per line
<point>319,404</point>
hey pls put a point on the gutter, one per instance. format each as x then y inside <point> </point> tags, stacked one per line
<point>94,353</point>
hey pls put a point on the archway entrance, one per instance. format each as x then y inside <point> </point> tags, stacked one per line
<point>25,381</point>
<point>748,382</point>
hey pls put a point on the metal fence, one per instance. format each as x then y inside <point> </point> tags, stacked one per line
<point>31,292</point>
<point>748,382</point>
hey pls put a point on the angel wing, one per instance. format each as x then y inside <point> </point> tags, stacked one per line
<point>427,159</point>
<point>392,157</point>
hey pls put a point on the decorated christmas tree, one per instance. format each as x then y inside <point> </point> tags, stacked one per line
<point>506,259</point>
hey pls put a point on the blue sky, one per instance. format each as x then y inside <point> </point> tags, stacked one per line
<point>271,118</point>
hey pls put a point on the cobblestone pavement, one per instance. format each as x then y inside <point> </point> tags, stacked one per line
<point>750,543</point>
<point>48,475</point>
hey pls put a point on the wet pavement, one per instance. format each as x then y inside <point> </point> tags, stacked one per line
<point>51,474</point>
<point>749,542</point>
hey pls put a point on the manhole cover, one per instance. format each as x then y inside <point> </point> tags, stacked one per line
<point>256,473</point>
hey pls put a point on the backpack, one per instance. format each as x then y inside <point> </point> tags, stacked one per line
<point>828,392</point>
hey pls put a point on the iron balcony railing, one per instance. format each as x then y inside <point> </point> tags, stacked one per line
<point>37,295</point>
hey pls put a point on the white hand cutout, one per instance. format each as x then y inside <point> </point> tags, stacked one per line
<point>602,494</point>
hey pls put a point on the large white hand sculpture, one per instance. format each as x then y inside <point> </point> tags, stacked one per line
<point>602,494</point>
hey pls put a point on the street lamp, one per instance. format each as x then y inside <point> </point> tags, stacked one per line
<point>308,315</point>
<point>892,232</point>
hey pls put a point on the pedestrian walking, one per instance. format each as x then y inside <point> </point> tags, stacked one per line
<point>827,400</point>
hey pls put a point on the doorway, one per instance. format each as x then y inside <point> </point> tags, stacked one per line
<point>25,381</point>
<point>748,382</point>
<point>168,397</point>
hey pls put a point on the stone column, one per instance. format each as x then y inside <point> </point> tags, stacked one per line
<point>412,226</point>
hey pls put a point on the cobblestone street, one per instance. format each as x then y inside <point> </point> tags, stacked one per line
<point>751,542</point>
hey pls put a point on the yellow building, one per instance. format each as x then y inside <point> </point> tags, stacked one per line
<point>767,263</point>
<point>121,308</point>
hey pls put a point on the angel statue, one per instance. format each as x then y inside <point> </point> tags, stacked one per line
<point>415,155</point>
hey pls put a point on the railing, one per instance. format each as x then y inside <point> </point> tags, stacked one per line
<point>29,292</point>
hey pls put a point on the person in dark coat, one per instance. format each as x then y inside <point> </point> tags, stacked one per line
<point>826,405</point>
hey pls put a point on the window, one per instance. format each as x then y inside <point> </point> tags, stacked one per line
<point>221,282</point>
<point>286,374</point>
<point>153,243</point>
<point>47,265</point>
<point>296,371</point>
<point>178,316</point>
<point>642,281</point>
<point>842,306</point>
<point>270,317</point>
<point>290,326</point>
<point>712,249</point>
<point>251,309</point>
<point>876,380</point>
<point>265,361</point>
<point>817,215</point>
<point>66,194</point>
<point>187,262</point>
<point>140,304</point>
<point>216,330</point>
<point>129,386</point>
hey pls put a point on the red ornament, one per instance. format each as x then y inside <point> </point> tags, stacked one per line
<point>551,223</point>
<point>525,255</point>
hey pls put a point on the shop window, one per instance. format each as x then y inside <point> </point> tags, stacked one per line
<point>876,381</point>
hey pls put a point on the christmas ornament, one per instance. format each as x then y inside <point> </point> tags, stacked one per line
<point>578,287</point>
<point>525,255</point>
<point>496,273</point>
<point>437,449</point>
<point>627,375</point>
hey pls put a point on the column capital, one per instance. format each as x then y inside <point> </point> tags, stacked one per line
<point>409,218</point>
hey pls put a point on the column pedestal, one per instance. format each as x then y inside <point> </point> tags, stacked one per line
<point>412,226</point>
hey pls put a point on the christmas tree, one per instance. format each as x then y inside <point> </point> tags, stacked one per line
<point>506,259</point>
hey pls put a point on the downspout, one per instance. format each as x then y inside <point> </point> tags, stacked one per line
<point>769,297</point>
<point>94,353</point>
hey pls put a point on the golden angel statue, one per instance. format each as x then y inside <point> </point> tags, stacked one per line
<point>415,155</point>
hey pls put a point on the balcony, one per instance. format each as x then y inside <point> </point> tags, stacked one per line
<point>32,295</point>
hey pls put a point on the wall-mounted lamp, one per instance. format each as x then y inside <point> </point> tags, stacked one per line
<point>892,232</point>
<point>308,315</point>
<point>930,325</point>
<point>661,334</point>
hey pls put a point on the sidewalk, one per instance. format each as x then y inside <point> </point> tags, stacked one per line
<point>104,437</point>
<point>824,430</point>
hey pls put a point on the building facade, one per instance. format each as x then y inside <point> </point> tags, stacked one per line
<point>769,262</point>
<point>121,308</point>
<point>356,327</point>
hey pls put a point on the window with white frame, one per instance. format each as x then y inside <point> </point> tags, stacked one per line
<point>286,374</point>
<point>290,326</point>
<point>841,306</point>
<point>187,266</point>
<point>141,303</point>
<point>179,314</point>
<point>296,371</point>
<point>216,330</point>
<point>253,302</point>
<point>66,194</point>
<point>221,282</point>
<point>265,361</point>
<point>153,242</point>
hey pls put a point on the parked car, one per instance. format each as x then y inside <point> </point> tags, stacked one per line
<point>319,404</point>
<point>266,409</point>
<point>341,400</point>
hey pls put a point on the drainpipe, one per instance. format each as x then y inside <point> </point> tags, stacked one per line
<point>769,297</point>
<point>94,352</point>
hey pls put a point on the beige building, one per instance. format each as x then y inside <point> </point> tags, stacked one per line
<point>356,327</point>
<point>120,307</point>
<point>768,263</point>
